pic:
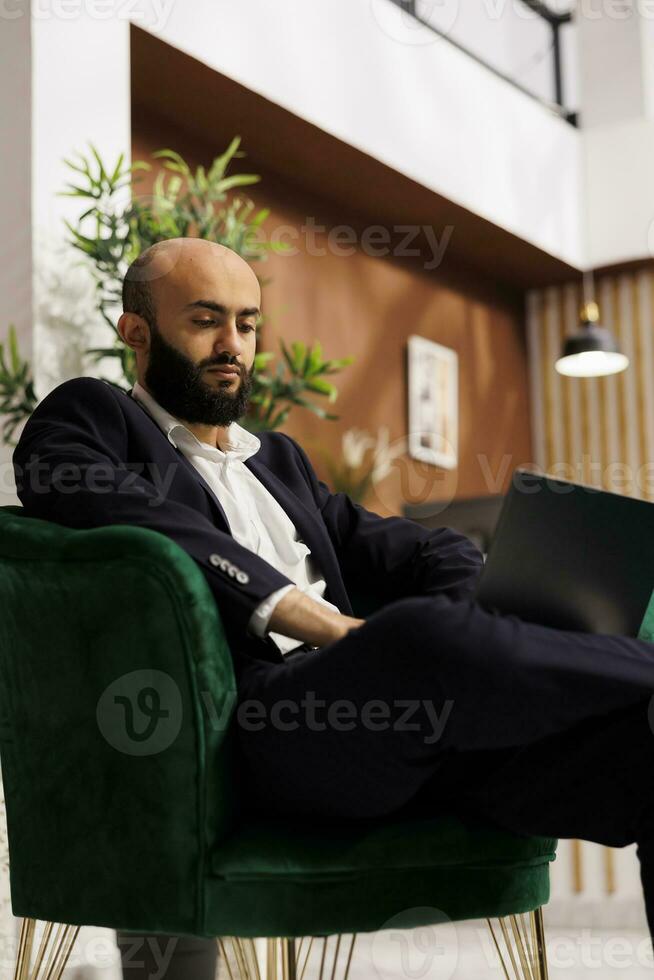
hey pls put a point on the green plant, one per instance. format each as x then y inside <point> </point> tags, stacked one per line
<point>112,233</point>
<point>302,369</point>
<point>17,397</point>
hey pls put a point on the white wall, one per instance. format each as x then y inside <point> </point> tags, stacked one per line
<point>616,64</point>
<point>507,35</point>
<point>64,81</point>
<point>619,161</point>
<point>88,102</point>
<point>361,71</point>
<point>610,68</point>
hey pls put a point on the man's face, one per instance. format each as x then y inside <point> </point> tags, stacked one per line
<point>207,306</point>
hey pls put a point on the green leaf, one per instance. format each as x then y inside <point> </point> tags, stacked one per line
<point>299,349</point>
<point>259,218</point>
<point>280,418</point>
<point>104,351</point>
<point>324,387</point>
<point>76,191</point>
<point>117,169</point>
<point>238,180</point>
<point>331,367</point>
<point>173,161</point>
<point>14,357</point>
<point>261,359</point>
<point>287,356</point>
<point>220,164</point>
<point>103,173</point>
<point>315,359</point>
<point>74,166</point>
<point>316,409</point>
<point>17,397</point>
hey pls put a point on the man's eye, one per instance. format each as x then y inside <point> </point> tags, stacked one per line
<point>247,327</point>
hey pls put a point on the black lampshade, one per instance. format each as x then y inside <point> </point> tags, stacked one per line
<point>592,351</point>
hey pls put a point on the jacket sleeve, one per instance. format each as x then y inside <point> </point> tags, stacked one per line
<point>399,556</point>
<point>69,467</point>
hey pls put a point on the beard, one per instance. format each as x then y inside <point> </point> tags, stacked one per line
<point>176,382</point>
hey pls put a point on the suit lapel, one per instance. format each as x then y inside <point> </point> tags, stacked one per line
<point>311,530</point>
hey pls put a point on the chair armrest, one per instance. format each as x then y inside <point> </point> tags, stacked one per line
<point>117,694</point>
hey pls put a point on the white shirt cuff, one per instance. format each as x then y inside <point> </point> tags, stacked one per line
<point>258,622</point>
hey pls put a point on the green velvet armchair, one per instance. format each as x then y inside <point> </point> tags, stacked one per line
<point>122,794</point>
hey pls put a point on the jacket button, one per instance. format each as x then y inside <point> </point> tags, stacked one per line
<point>242,577</point>
<point>215,559</point>
<point>231,571</point>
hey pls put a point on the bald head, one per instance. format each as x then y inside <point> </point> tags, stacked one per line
<point>167,265</point>
<point>192,305</point>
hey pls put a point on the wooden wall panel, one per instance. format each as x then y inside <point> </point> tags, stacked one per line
<point>367,307</point>
<point>598,431</point>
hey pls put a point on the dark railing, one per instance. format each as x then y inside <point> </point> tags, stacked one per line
<point>552,18</point>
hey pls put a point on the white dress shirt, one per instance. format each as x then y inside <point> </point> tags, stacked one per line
<point>256,519</point>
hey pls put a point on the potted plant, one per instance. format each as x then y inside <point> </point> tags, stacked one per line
<point>118,223</point>
<point>112,232</point>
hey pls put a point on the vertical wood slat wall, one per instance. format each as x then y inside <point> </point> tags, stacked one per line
<point>598,431</point>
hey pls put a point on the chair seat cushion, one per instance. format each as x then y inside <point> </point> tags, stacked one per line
<point>296,880</point>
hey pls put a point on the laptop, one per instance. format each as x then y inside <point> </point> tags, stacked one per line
<point>571,556</point>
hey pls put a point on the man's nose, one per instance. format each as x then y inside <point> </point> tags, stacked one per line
<point>229,341</point>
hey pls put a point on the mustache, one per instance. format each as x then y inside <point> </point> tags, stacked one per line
<point>227,360</point>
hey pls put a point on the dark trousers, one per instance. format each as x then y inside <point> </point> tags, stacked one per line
<point>167,957</point>
<point>439,705</point>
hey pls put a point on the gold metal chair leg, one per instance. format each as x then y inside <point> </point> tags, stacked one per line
<point>52,954</point>
<point>541,949</point>
<point>520,945</point>
<point>289,962</point>
<point>271,959</point>
<point>285,958</point>
<point>240,958</point>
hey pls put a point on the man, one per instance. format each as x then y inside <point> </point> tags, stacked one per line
<point>429,701</point>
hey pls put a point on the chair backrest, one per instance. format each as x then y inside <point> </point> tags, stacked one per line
<point>116,692</point>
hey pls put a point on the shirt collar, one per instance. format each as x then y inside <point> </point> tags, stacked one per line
<point>241,443</point>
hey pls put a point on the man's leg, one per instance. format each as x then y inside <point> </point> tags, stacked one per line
<point>355,729</point>
<point>593,782</point>
<point>154,957</point>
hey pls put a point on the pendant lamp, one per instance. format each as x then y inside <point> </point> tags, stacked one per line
<point>592,351</point>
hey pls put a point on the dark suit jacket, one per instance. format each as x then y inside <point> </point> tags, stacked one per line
<point>113,444</point>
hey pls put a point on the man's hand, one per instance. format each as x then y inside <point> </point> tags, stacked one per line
<point>303,618</point>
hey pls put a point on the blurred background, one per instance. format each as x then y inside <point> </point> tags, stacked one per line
<point>442,200</point>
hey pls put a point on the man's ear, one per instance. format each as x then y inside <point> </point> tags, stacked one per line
<point>134,331</point>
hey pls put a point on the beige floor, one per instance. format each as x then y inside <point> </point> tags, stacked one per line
<point>465,951</point>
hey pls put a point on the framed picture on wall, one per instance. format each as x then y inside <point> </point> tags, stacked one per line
<point>433,386</point>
